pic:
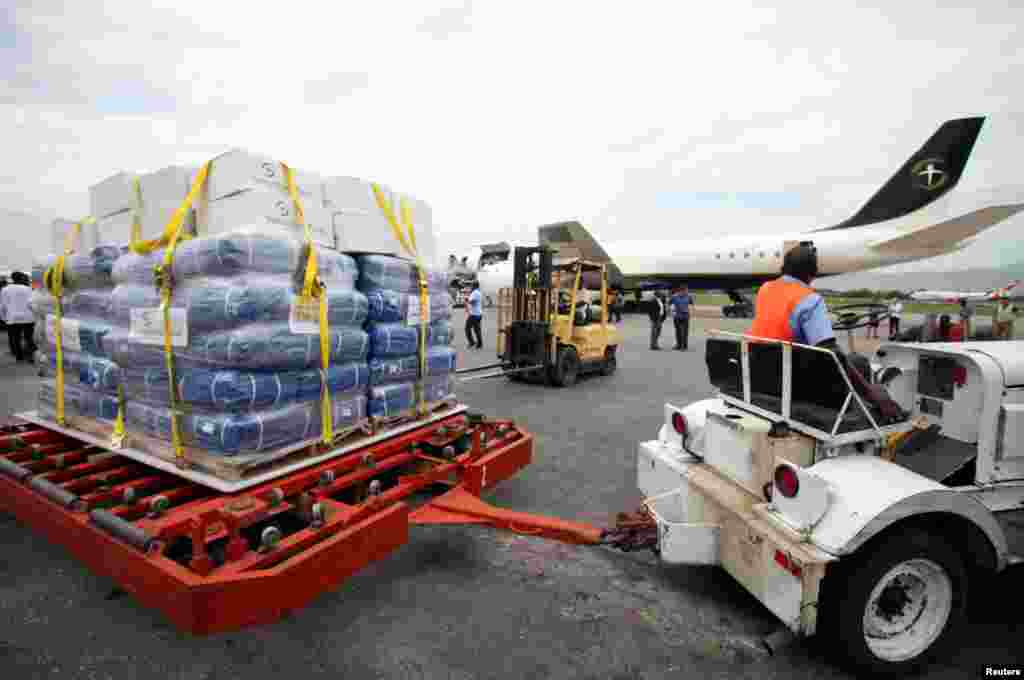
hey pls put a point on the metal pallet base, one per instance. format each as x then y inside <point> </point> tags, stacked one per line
<point>232,486</point>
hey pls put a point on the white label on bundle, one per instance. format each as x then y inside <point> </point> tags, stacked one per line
<point>304,318</point>
<point>147,326</point>
<point>70,340</point>
<point>412,317</point>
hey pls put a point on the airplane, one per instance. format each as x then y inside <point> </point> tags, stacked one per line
<point>1012,291</point>
<point>916,214</point>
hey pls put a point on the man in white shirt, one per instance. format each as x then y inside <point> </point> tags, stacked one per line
<point>16,313</point>
<point>474,315</point>
<point>895,309</point>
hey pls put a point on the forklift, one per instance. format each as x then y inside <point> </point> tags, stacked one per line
<point>546,334</point>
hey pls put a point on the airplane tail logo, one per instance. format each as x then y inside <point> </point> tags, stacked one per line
<point>929,174</point>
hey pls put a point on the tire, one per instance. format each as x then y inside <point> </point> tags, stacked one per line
<point>918,585</point>
<point>566,368</point>
<point>610,362</point>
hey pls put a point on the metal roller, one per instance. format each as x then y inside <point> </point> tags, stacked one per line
<point>14,470</point>
<point>53,492</point>
<point>117,527</point>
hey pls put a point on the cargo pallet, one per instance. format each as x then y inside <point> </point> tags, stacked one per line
<point>214,561</point>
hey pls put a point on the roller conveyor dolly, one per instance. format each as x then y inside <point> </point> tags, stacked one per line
<point>214,562</point>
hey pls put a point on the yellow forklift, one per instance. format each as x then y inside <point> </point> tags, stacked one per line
<point>546,333</point>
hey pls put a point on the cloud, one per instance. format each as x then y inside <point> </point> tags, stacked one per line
<point>504,116</point>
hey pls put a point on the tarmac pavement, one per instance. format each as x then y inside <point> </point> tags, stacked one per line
<point>467,602</point>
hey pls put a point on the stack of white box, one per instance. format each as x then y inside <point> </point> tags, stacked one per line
<point>250,190</point>
<point>361,227</point>
<point>114,203</point>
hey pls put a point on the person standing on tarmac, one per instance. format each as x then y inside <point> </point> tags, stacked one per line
<point>658,314</point>
<point>680,304</point>
<point>16,313</point>
<point>895,309</point>
<point>474,315</point>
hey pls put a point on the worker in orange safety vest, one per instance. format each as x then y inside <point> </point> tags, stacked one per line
<point>788,308</point>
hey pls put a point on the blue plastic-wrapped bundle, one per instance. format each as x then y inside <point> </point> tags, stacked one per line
<point>388,306</point>
<point>383,272</point>
<point>255,432</point>
<point>93,303</point>
<point>397,340</point>
<point>222,304</point>
<point>80,335</point>
<point>86,270</point>
<point>254,347</point>
<point>90,371</point>
<point>399,398</point>
<point>78,400</point>
<point>440,361</point>
<point>237,253</point>
<point>228,391</point>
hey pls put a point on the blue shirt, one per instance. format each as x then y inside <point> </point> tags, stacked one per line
<point>474,304</point>
<point>681,305</point>
<point>809,319</point>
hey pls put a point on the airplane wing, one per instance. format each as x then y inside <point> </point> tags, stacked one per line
<point>935,238</point>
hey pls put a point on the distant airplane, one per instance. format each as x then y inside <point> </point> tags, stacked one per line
<point>1012,291</point>
<point>913,216</point>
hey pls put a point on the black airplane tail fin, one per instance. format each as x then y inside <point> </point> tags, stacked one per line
<point>931,173</point>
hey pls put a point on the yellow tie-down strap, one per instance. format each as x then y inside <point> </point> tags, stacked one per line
<point>165,281</point>
<point>313,290</point>
<point>405,234</point>
<point>53,280</point>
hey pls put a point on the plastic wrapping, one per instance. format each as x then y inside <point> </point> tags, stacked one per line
<point>86,270</point>
<point>90,371</point>
<point>255,432</point>
<point>236,253</point>
<point>384,370</point>
<point>394,340</point>
<point>388,306</point>
<point>383,272</point>
<point>222,304</point>
<point>230,391</point>
<point>254,347</point>
<point>78,400</point>
<point>399,398</point>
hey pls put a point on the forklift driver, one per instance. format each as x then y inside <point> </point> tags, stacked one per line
<point>787,308</point>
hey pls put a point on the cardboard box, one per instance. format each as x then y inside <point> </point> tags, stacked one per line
<point>114,229</point>
<point>372,233</point>
<point>112,195</point>
<point>162,194</point>
<point>239,170</point>
<point>352,195</point>
<point>61,228</point>
<point>263,208</point>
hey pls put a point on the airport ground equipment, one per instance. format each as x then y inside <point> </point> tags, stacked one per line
<point>545,331</point>
<point>742,307</point>
<point>871,534</point>
<point>214,561</point>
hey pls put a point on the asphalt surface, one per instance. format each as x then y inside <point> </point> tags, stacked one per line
<point>459,602</point>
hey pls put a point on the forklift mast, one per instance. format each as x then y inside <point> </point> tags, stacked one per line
<point>529,330</point>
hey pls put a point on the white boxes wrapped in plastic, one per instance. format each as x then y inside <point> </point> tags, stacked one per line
<point>112,195</point>
<point>240,170</point>
<point>263,208</point>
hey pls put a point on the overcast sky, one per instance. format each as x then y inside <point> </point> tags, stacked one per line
<point>643,120</point>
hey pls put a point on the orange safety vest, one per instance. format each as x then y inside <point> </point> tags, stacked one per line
<point>775,303</point>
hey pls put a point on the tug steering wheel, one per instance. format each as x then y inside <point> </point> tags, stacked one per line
<point>847,319</point>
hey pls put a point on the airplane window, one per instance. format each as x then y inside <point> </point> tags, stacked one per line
<point>761,254</point>
<point>718,256</point>
<point>746,254</point>
<point>732,255</point>
<point>776,253</point>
